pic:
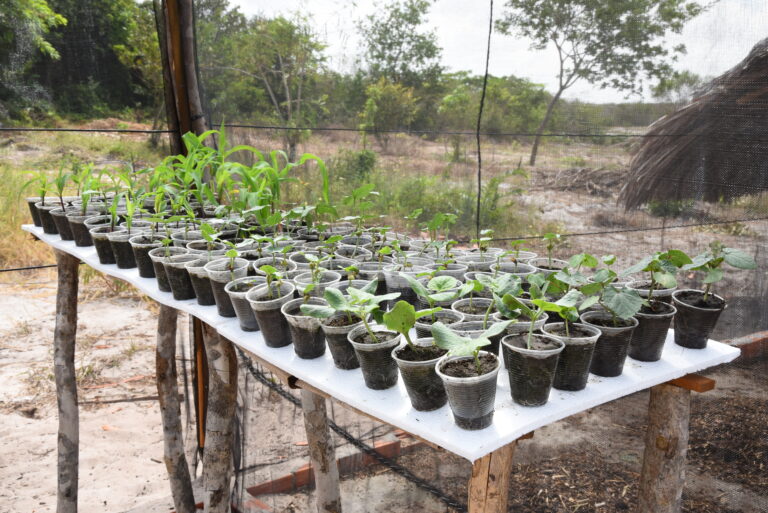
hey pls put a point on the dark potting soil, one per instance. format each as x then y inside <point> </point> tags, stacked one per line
<point>468,369</point>
<point>472,310</point>
<point>656,308</point>
<point>550,268</point>
<point>382,336</point>
<point>573,332</point>
<point>609,323</point>
<point>537,344</point>
<point>243,287</point>
<point>420,354</point>
<point>429,320</point>
<point>342,320</point>
<point>696,299</point>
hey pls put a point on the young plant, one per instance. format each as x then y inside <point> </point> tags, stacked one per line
<point>661,268</point>
<point>59,183</point>
<point>231,254</point>
<point>439,289</point>
<point>483,242</point>
<point>553,240</point>
<point>565,307</point>
<point>517,247</point>
<point>209,235</point>
<point>710,263</point>
<point>361,303</point>
<point>621,302</point>
<point>499,287</point>
<point>402,319</point>
<point>457,345</point>
<point>42,184</point>
<point>273,276</point>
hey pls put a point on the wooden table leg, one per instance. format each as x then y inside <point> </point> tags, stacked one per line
<point>322,453</point>
<point>66,383</point>
<point>222,390</point>
<point>489,484</point>
<point>666,443</point>
<point>170,410</point>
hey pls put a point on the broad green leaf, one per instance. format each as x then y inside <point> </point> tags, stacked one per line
<point>738,259</point>
<point>640,266</point>
<point>317,311</point>
<point>591,300</point>
<point>371,286</point>
<point>416,286</point>
<point>335,298</point>
<point>623,302</point>
<point>495,329</point>
<point>609,259</point>
<point>570,300</point>
<point>401,318</point>
<point>713,275</point>
<point>443,296</point>
<point>442,283</point>
<point>456,345</point>
<point>666,280</point>
<point>677,257</point>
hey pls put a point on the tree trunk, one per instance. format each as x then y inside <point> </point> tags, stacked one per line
<point>222,390</point>
<point>170,410</point>
<point>322,452</point>
<point>666,443</point>
<point>543,126</point>
<point>66,382</point>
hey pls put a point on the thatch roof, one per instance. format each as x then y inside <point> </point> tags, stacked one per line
<point>714,148</point>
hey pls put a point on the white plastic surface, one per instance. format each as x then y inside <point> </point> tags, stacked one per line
<point>393,406</point>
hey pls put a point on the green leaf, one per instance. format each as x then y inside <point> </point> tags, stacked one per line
<point>677,257</point>
<point>416,286</point>
<point>317,311</point>
<point>442,283</point>
<point>456,345</point>
<point>666,280</point>
<point>738,259</point>
<point>495,329</point>
<point>371,286</point>
<point>714,275</point>
<point>641,266</point>
<point>335,298</point>
<point>570,300</point>
<point>623,302</point>
<point>591,300</point>
<point>609,259</point>
<point>401,318</point>
<point>443,296</point>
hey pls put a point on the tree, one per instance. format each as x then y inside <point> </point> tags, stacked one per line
<point>679,88</point>
<point>610,43</point>
<point>395,48</point>
<point>24,27</point>
<point>388,107</point>
<point>284,55</point>
<point>456,110</point>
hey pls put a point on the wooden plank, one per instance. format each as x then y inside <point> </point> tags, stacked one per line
<point>666,443</point>
<point>222,390</point>
<point>489,484</point>
<point>322,453</point>
<point>170,411</point>
<point>64,335</point>
<point>694,383</point>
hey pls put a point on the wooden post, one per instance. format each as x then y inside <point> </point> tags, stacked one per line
<point>489,484</point>
<point>66,383</point>
<point>222,390</point>
<point>170,410</point>
<point>666,443</point>
<point>322,452</point>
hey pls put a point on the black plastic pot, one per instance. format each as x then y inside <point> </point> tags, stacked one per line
<point>33,210</point>
<point>46,221</point>
<point>447,317</point>
<point>178,277</point>
<point>612,345</point>
<point>343,353</point>
<point>474,329</point>
<point>237,290</point>
<point>59,216</point>
<point>471,398</point>
<point>379,369</point>
<point>642,287</point>
<point>159,257</point>
<point>479,305</point>
<point>573,365</point>
<point>694,324</point>
<point>306,332</point>
<point>648,339</point>
<point>99,235</point>
<point>273,325</point>
<point>141,246</point>
<point>424,386</point>
<point>121,248</point>
<point>531,371</point>
<point>81,233</point>
<point>220,274</point>
<point>200,281</point>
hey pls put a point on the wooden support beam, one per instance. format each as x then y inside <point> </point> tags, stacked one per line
<point>694,383</point>
<point>66,384</point>
<point>222,390</point>
<point>666,444</point>
<point>170,410</point>
<point>322,453</point>
<point>489,484</point>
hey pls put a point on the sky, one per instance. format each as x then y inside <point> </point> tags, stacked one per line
<point>715,41</point>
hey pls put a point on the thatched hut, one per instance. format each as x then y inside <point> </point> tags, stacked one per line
<point>715,148</point>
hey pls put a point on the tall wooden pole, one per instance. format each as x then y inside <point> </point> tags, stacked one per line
<point>222,391</point>
<point>170,409</point>
<point>66,383</point>
<point>322,452</point>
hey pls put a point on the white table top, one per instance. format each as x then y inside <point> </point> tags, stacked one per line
<point>393,406</point>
